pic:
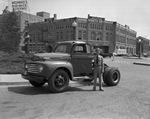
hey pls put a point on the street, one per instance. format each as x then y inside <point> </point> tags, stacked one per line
<point>130,99</point>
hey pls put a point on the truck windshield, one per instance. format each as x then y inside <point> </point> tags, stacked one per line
<point>63,48</point>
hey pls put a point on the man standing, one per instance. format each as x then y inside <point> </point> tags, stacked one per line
<point>98,69</point>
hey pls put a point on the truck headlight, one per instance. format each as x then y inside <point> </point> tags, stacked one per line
<point>40,68</point>
<point>26,66</point>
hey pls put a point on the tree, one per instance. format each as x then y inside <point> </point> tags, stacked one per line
<point>9,32</point>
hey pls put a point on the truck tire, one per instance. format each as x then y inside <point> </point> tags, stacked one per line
<point>37,84</point>
<point>59,81</point>
<point>91,78</point>
<point>111,76</point>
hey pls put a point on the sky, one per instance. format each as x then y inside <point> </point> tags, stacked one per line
<point>134,13</point>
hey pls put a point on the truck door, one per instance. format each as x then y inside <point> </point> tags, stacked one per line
<point>81,59</point>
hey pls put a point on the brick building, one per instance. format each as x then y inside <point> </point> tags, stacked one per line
<point>25,18</point>
<point>107,35</point>
<point>142,45</point>
<point>125,38</point>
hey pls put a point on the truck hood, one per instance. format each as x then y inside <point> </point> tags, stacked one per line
<point>51,56</point>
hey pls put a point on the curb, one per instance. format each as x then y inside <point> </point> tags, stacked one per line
<point>142,63</point>
<point>13,83</point>
<point>27,83</point>
<point>12,79</point>
<point>74,82</point>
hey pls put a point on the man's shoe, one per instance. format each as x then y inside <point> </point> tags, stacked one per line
<point>101,89</point>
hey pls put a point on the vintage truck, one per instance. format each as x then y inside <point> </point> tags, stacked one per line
<point>68,60</point>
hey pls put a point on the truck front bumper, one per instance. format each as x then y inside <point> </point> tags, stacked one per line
<point>33,78</point>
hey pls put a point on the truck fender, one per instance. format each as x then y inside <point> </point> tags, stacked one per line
<point>67,66</point>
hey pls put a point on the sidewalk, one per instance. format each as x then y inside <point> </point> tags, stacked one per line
<point>12,79</point>
<point>141,61</point>
<point>16,79</point>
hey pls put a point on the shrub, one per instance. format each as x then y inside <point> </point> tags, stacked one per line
<point>13,63</point>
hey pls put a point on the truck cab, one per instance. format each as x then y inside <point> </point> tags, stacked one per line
<point>80,56</point>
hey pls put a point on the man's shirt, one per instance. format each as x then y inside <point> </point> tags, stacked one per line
<point>98,60</point>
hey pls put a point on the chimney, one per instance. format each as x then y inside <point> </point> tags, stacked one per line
<point>88,16</point>
<point>55,16</point>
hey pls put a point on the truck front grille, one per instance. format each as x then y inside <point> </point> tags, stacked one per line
<point>33,68</point>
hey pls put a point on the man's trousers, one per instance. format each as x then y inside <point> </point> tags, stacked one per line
<point>97,74</point>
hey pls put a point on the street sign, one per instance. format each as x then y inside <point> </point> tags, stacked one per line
<point>19,5</point>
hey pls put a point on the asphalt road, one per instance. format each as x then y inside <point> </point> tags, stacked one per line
<point>130,99</point>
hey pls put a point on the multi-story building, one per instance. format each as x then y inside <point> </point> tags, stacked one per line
<point>125,38</point>
<point>107,35</point>
<point>142,45</point>
<point>25,18</point>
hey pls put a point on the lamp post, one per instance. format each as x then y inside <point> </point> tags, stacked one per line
<point>27,41</point>
<point>74,25</point>
<point>139,48</point>
<point>87,30</point>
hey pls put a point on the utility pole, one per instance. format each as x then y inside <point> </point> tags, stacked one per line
<point>87,34</point>
<point>139,48</point>
<point>74,25</point>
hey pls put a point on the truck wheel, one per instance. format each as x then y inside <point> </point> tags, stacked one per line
<point>37,84</point>
<point>59,81</point>
<point>111,76</point>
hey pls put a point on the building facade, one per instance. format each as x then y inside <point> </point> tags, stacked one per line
<point>25,18</point>
<point>125,38</point>
<point>142,45</point>
<point>107,35</point>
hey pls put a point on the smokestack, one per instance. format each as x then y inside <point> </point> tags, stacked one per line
<point>55,16</point>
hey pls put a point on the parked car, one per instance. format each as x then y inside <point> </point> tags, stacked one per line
<point>145,54</point>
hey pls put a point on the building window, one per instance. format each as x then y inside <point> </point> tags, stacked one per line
<point>118,38</point>
<point>57,36</point>
<point>111,36</point>
<point>92,26</point>
<point>111,28</point>
<point>93,36</point>
<point>84,35</point>
<point>80,35</point>
<point>107,36</point>
<point>99,36</point>
<point>79,25</point>
<point>67,35</point>
<point>39,37</point>
<point>34,38</point>
<point>106,27</point>
<point>61,36</point>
